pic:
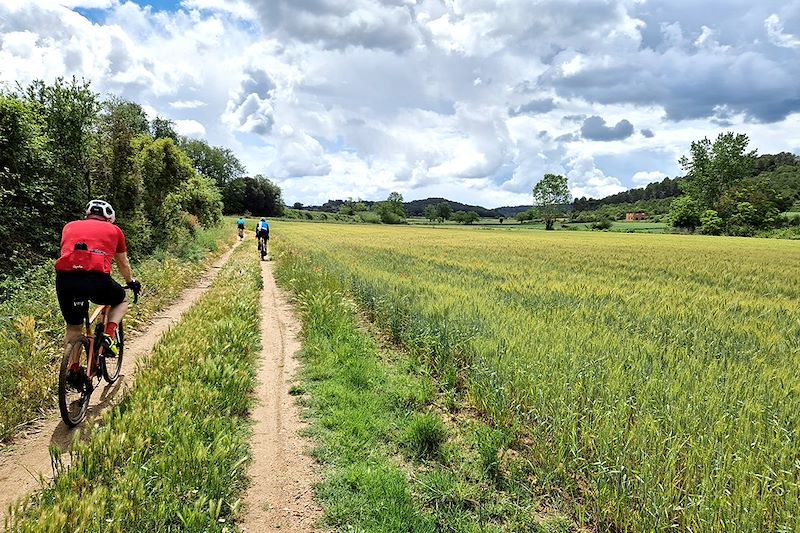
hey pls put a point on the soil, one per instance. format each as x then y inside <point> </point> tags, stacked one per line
<point>25,464</point>
<point>282,475</point>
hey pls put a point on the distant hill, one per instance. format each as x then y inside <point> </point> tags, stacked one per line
<point>416,208</point>
<point>511,211</point>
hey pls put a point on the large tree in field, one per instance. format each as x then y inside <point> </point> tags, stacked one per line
<point>392,211</point>
<point>219,164</point>
<point>550,196</point>
<point>713,168</point>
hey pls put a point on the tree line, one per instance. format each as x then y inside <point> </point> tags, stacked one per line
<point>61,145</point>
<point>729,190</point>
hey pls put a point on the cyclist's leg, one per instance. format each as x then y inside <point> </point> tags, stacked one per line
<point>106,291</point>
<point>69,287</point>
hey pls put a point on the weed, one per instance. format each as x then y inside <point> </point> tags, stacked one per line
<point>424,436</point>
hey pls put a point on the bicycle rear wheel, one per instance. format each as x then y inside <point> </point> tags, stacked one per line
<point>111,364</point>
<point>73,397</point>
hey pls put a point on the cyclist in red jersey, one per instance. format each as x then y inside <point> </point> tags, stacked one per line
<point>83,272</point>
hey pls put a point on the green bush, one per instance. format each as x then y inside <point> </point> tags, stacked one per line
<point>685,213</point>
<point>602,225</point>
<point>368,217</point>
<point>711,223</point>
<point>198,196</point>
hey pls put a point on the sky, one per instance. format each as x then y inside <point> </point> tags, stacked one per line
<point>472,100</point>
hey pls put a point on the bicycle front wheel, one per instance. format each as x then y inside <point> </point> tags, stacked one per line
<point>73,390</point>
<point>111,364</point>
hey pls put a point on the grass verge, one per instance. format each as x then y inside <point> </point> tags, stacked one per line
<point>397,454</point>
<point>32,329</point>
<point>172,455</point>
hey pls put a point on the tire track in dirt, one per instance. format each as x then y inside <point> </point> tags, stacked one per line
<point>26,463</point>
<point>282,475</point>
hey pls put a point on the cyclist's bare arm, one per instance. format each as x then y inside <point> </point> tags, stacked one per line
<point>124,266</point>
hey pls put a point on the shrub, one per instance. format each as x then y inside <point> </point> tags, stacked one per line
<point>685,213</point>
<point>389,217</point>
<point>369,217</point>
<point>198,196</point>
<point>602,224</point>
<point>711,223</point>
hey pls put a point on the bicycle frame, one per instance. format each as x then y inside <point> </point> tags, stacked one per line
<point>90,336</point>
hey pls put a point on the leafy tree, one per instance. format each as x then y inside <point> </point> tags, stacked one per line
<point>346,208</point>
<point>713,168</point>
<point>772,162</point>
<point>121,122</point>
<point>297,205</point>
<point>525,216</point>
<point>550,195</point>
<point>431,212</point>
<point>395,201</point>
<point>69,111</point>
<point>29,213</point>
<point>256,195</point>
<point>219,164</point>
<point>711,223</point>
<point>466,217</point>
<point>162,168</point>
<point>163,128</point>
<point>391,211</point>
<point>685,213</point>
<point>197,196</point>
<point>784,181</point>
<point>233,197</point>
<point>443,211</point>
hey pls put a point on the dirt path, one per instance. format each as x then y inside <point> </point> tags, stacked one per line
<point>28,458</point>
<point>280,495</point>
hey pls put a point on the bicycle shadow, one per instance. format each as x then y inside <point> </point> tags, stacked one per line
<point>63,436</point>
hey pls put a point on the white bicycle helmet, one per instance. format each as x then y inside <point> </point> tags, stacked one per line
<point>101,208</point>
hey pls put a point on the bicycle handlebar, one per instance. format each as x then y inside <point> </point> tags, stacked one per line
<point>135,288</point>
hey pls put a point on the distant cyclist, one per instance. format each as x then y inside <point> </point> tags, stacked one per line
<point>240,225</point>
<point>262,229</point>
<point>262,236</point>
<point>83,272</point>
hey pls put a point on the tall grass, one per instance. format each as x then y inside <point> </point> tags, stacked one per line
<point>391,463</point>
<point>171,456</point>
<point>32,329</point>
<point>651,379</point>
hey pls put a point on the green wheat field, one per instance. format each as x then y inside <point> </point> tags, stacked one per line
<point>653,381</point>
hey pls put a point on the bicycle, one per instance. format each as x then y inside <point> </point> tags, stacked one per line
<point>263,245</point>
<point>95,363</point>
<point>241,233</point>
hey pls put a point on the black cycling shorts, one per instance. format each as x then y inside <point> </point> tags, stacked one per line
<point>83,287</point>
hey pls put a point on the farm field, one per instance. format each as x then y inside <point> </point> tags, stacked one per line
<point>651,381</point>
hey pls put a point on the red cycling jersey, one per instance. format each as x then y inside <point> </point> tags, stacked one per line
<point>89,246</point>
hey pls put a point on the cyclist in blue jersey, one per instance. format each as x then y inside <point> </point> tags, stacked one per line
<point>262,237</point>
<point>240,225</point>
